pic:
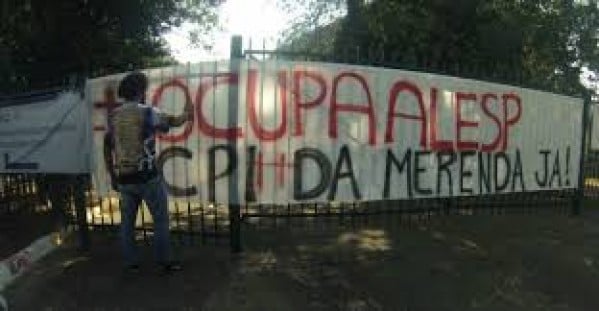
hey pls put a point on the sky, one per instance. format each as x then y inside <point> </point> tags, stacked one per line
<point>258,20</point>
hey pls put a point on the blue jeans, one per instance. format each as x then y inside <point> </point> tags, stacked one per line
<point>153,192</point>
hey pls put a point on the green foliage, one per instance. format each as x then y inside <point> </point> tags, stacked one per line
<point>535,43</point>
<point>42,42</point>
<point>316,25</point>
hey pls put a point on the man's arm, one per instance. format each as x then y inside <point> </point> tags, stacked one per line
<point>174,121</point>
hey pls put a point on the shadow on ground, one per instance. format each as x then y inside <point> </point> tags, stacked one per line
<point>20,228</point>
<point>502,262</point>
<point>71,280</point>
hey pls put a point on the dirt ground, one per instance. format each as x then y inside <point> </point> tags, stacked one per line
<point>540,261</point>
<point>19,229</point>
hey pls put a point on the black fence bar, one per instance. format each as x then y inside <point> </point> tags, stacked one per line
<point>577,205</point>
<point>234,209</point>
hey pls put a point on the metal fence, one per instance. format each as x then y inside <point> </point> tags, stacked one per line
<point>189,221</point>
<point>193,221</point>
<point>18,192</point>
<point>419,210</point>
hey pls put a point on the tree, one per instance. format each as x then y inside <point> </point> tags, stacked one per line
<point>43,42</point>
<point>317,23</point>
<point>542,44</point>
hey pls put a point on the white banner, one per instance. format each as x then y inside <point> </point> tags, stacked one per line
<point>45,135</point>
<point>315,132</point>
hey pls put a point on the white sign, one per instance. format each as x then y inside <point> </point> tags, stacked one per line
<point>315,132</point>
<point>51,135</point>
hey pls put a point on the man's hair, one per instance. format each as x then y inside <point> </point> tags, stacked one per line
<point>133,86</point>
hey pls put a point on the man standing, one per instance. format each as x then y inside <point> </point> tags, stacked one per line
<point>129,152</point>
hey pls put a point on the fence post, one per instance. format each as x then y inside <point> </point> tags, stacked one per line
<point>579,200</point>
<point>233,204</point>
<point>81,186</point>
